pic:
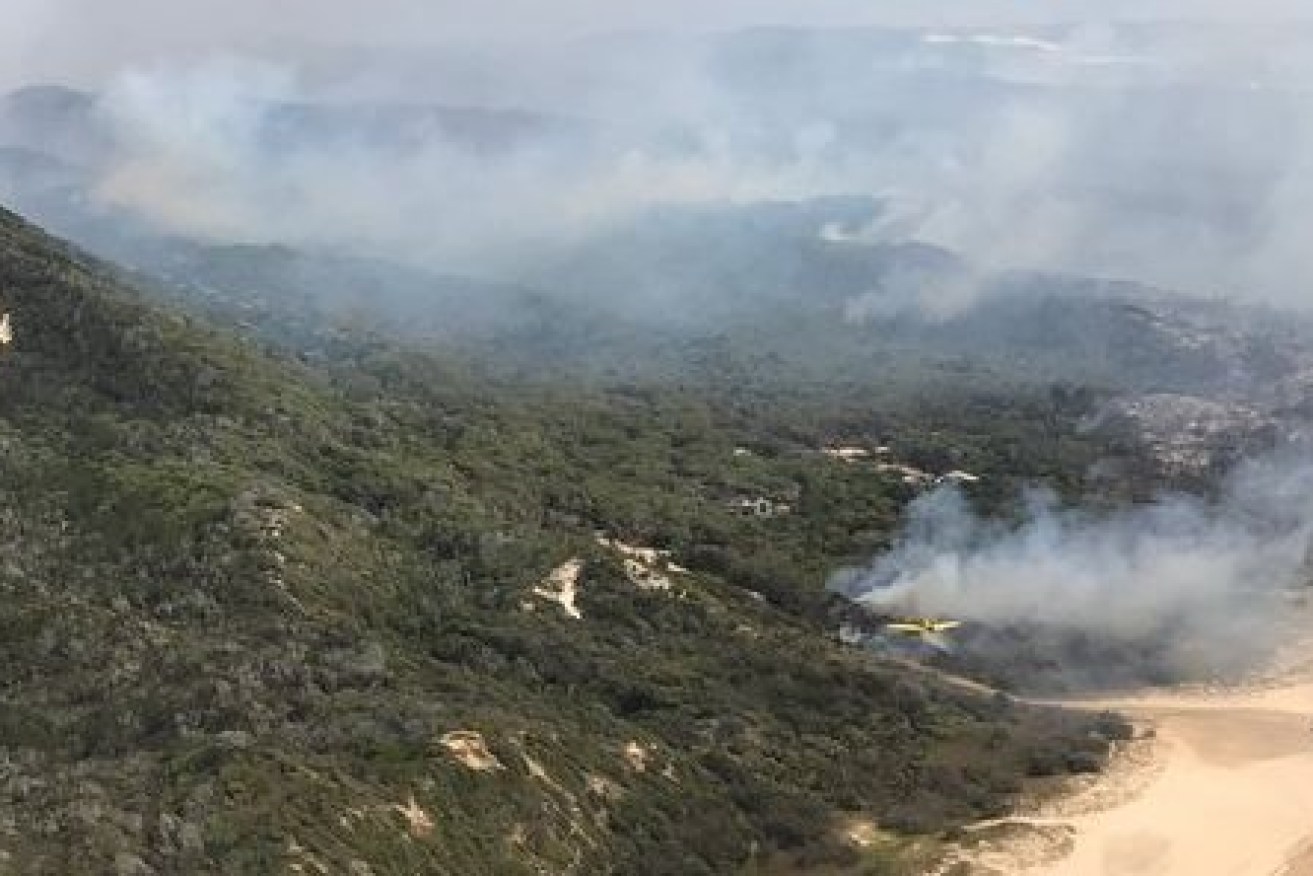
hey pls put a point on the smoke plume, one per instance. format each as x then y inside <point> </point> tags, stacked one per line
<point>1202,584</point>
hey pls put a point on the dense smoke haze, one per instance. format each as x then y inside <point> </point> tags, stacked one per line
<point>1205,582</point>
<point>1096,141</point>
<point>64,40</point>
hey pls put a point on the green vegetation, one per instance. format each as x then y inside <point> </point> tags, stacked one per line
<point>247,600</point>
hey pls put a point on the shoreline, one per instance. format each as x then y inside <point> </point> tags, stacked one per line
<point>1219,782</point>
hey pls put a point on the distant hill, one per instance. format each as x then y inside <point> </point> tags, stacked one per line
<point>53,119</point>
<point>813,285</point>
<point>70,124</point>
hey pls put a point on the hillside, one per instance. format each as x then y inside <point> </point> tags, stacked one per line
<point>265,619</point>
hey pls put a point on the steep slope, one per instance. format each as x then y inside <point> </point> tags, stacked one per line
<point>258,619</point>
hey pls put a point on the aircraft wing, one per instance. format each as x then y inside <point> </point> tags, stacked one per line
<point>905,628</point>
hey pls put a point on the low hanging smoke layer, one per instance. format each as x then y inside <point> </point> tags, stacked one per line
<point>1207,581</point>
<point>1168,153</point>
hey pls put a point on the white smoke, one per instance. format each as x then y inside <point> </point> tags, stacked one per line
<point>188,147</point>
<point>1173,154</point>
<point>193,157</point>
<point>1211,575</point>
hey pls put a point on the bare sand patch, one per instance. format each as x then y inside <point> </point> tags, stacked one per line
<point>647,568</point>
<point>562,587</point>
<point>470,749</point>
<point>418,822</point>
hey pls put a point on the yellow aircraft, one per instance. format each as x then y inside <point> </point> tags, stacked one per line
<point>929,631</point>
<point>923,626</point>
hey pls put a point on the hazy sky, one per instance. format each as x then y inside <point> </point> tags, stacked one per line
<point>81,40</point>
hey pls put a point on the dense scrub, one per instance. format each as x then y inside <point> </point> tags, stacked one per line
<point>248,600</point>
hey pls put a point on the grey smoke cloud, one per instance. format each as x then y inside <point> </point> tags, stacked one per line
<point>1207,576</point>
<point>195,156</point>
<point>85,40</point>
<point>1176,157</point>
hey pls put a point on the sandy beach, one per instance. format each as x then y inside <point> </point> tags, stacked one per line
<point>1220,785</point>
<point>1232,794</point>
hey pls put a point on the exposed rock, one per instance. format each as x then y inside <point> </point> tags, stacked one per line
<point>1187,435</point>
